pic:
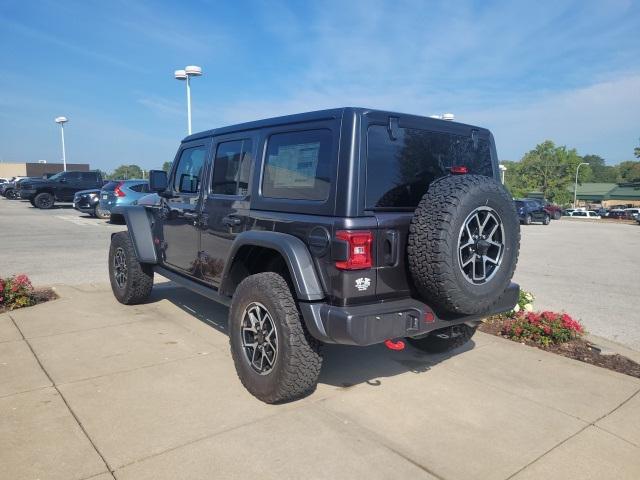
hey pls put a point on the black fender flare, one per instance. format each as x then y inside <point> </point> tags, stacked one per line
<point>295,254</point>
<point>139,225</point>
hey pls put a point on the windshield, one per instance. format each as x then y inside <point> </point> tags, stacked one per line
<point>57,176</point>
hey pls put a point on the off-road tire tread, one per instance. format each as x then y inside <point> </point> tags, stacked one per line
<point>301,368</point>
<point>431,239</point>
<point>433,344</point>
<point>139,275</point>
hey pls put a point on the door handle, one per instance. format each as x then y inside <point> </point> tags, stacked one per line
<point>231,221</point>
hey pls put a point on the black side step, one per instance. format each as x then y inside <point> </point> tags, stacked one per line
<point>192,285</point>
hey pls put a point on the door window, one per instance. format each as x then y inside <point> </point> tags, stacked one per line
<point>231,168</point>
<point>188,176</point>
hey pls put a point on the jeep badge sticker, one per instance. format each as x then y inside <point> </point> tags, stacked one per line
<point>363,283</point>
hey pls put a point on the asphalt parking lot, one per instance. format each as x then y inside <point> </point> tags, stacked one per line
<point>590,270</point>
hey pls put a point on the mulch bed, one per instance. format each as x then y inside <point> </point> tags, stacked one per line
<point>40,295</point>
<point>577,349</point>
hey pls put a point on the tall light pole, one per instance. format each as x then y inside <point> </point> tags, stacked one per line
<point>575,187</point>
<point>62,121</point>
<point>186,74</point>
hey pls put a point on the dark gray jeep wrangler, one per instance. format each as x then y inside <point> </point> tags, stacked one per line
<point>348,226</point>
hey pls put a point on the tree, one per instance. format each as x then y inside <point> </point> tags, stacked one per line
<point>598,171</point>
<point>125,172</point>
<point>629,171</point>
<point>551,169</point>
<point>166,166</point>
<point>636,152</point>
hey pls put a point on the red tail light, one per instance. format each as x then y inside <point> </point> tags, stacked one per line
<point>359,253</point>
<point>459,170</point>
<point>118,192</point>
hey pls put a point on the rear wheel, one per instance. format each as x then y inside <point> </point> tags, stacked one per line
<point>10,194</point>
<point>444,339</point>
<point>44,200</point>
<point>275,357</point>
<point>100,213</point>
<point>557,214</point>
<point>131,281</point>
<point>528,220</point>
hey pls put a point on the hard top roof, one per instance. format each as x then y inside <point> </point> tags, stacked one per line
<point>333,113</point>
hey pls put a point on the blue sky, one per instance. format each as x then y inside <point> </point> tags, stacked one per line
<point>564,70</point>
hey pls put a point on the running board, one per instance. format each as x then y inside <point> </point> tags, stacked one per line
<point>192,285</point>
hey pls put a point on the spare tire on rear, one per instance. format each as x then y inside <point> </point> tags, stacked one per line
<point>463,246</point>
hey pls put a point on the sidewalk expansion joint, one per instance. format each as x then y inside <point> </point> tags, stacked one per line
<point>73,414</point>
<point>590,424</point>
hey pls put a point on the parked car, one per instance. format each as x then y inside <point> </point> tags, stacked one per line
<point>568,211</point>
<point>530,211</point>
<point>61,187</point>
<point>302,226</point>
<point>8,190</point>
<point>554,211</point>
<point>120,193</point>
<point>632,212</point>
<point>585,214</point>
<point>86,201</point>
<point>3,180</point>
<point>617,214</point>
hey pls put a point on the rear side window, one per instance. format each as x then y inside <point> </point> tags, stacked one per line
<point>141,187</point>
<point>110,186</point>
<point>231,168</point>
<point>400,171</point>
<point>297,165</point>
<point>88,176</point>
<point>188,177</point>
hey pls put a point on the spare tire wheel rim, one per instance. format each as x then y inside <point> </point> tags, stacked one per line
<point>481,245</point>
<point>259,338</point>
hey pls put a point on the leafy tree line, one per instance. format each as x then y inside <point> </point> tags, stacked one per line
<point>126,172</point>
<point>549,169</point>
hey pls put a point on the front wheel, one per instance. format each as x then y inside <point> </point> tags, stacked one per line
<point>528,220</point>
<point>557,215</point>
<point>131,281</point>
<point>275,357</point>
<point>44,201</point>
<point>546,220</point>
<point>444,339</point>
<point>10,194</point>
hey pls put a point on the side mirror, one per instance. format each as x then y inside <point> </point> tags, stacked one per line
<point>158,180</point>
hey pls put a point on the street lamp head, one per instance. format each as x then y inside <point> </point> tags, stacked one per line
<point>61,120</point>
<point>180,75</point>
<point>193,70</point>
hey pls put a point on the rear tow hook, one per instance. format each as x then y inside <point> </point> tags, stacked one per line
<point>391,345</point>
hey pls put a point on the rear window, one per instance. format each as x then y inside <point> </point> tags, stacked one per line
<point>400,171</point>
<point>297,165</point>
<point>140,187</point>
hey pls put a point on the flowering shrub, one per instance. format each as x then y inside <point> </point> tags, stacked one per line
<point>16,292</point>
<point>542,328</point>
<point>525,303</point>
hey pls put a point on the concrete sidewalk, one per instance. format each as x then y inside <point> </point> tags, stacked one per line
<point>93,389</point>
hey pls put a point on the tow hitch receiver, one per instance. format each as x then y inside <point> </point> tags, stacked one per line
<point>391,345</point>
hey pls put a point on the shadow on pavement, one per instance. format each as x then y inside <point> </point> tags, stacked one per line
<point>344,366</point>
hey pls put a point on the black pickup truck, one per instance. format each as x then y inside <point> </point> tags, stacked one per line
<point>43,193</point>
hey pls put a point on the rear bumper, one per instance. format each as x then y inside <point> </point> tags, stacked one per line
<point>374,323</point>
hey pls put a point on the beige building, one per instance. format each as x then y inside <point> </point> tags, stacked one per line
<point>8,170</point>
